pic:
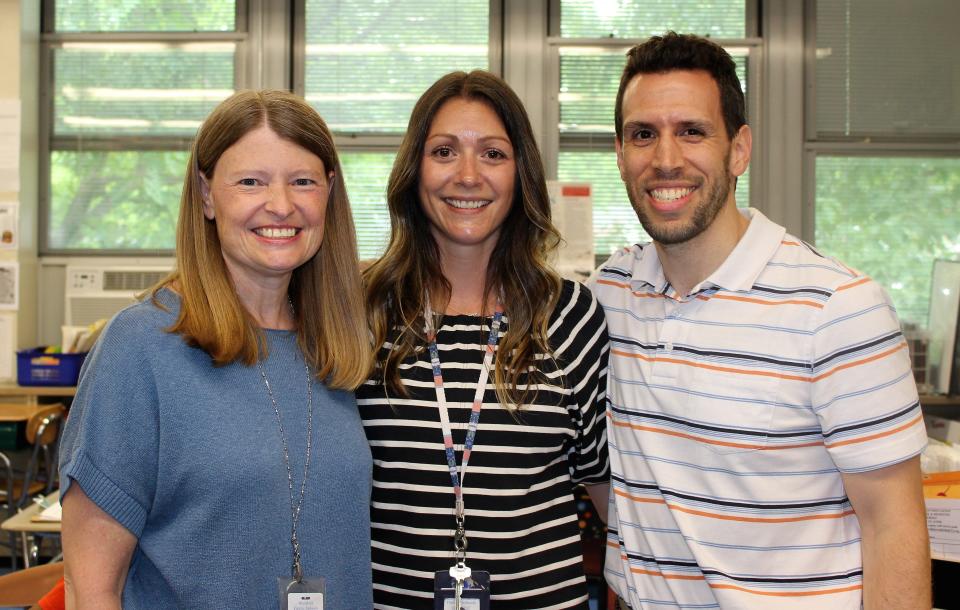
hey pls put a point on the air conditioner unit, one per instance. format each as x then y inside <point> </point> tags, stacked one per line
<point>94,292</point>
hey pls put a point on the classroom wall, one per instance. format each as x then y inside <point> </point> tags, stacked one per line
<point>19,54</point>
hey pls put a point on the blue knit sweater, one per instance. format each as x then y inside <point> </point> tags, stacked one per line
<point>188,458</point>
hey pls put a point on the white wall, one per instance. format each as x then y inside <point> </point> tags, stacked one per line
<point>19,53</point>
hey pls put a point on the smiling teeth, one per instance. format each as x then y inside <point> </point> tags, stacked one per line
<point>462,204</point>
<point>671,194</point>
<point>275,233</point>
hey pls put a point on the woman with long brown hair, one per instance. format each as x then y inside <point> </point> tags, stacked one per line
<point>489,364</point>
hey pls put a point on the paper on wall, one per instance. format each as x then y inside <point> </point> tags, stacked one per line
<point>8,226</point>
<point>571,206</point>
<point>9,145</point>
<point>9,286</point>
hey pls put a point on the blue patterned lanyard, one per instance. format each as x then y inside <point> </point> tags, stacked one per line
<point>457,476</point>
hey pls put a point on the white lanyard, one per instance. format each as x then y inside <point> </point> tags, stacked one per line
<point>457,475</point>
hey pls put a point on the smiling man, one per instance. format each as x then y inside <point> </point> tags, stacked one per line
<point>764,424</point>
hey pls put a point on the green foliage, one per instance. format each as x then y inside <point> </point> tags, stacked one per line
<point>128,198</point>
<point>890,217</point>
<point>366,177</point>
<point>115,200</point>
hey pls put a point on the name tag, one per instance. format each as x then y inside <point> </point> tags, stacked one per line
<point>305,601</point>
<point>307,594</point>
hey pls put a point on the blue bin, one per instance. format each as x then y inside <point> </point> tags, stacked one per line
<point>36,368</point>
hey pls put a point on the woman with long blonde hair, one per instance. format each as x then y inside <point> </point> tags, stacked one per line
<point>214,456</point>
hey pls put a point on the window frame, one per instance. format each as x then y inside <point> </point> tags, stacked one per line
<point>373,141</point>
<point>848,146</point>
<point>815,145</point>
<point>50,40</point>
<point>270,40</point>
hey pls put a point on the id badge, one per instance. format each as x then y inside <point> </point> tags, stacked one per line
<point>307,594</point>
<point>475,595</point>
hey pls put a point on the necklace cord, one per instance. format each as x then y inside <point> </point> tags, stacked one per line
<point>295,508</point>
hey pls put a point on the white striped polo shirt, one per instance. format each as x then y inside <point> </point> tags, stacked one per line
<point>733,411</point>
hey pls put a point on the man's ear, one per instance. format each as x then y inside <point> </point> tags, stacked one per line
<point>205,196</point>
<point>740,150</point>
<point>618,144</point>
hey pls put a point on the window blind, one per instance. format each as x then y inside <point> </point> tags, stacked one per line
<point>162,89</point>
<point>367,62</point>
<point>632,19</point>
<point>123,112</point>
<point>887,68</point>
<point>144,16</point>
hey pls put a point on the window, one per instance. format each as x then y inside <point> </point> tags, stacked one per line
<point>130,82</point>
<point>890,216</point>
<point>364,66</point>
<point>882,141</point>
<point>589,57</point>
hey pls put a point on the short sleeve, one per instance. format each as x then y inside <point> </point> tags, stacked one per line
<point>863,389</point>
<point>110,440</point>
<point>578,337</point>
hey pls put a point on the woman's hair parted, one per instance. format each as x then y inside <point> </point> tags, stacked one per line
<point>410,271</point>
<point>326,291</point>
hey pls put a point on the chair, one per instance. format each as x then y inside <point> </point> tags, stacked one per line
<point>40,475</point>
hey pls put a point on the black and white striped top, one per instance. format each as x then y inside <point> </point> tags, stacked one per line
<point>521,518</point>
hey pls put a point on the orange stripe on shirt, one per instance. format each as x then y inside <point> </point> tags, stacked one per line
<point>722,517</point>
<point>712,367</point>
<point>625,559</point>
<point>701,439</point>
<point>644,295</point>
<point>667,576</point>
<point>756,301</point>
<point>863,439</point>
<point>855,363</point>
<point>787,593</point>
<point>612,283</point>
<point>728,369</point>
<point>709,515</point>
<point>789,243</point>
<point>620,492</point>
<point>853,284</point>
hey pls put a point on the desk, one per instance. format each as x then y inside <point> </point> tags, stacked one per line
<point>23,523</point>
<point>33,392</point>
<point>939,400</point>
<point>16,412</point>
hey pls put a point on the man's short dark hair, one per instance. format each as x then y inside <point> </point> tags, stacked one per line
<point>674,51</point>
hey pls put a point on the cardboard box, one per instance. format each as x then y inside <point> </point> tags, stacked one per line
<point>941,493</point>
